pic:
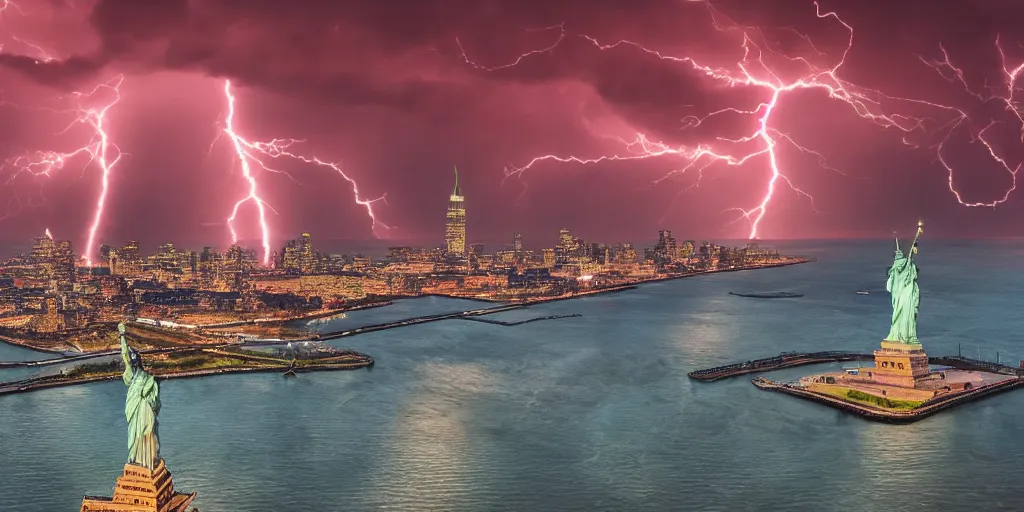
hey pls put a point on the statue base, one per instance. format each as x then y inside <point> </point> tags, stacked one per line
<point>900,364</point>
<point>141,490</point>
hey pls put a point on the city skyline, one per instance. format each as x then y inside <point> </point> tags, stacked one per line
<point>374,133</point>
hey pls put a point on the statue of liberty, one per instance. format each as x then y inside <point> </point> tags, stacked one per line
<point>906,296</point>
<point>140,408</point>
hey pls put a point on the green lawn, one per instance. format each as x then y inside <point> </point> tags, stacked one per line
<point>863,398</point>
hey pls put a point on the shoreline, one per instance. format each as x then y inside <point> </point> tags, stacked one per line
<point>630,284</point>
<point>499,306</point>
<point>886,416</point>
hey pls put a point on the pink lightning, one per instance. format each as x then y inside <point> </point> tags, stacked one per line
<point>754,70</point>
<point>8,4</point>
<point>99,148</point>
<point>249,152</point>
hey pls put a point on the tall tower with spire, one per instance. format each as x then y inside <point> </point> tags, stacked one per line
<point>455,222</point>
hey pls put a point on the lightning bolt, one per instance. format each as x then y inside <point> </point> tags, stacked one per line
<point>99,148</point>
<point>256,153</point>
<point>755,70</point>
<point>42,55</point>
<point>8,4</point>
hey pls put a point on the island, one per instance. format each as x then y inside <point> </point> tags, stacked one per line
<point>903,385</point>
<point>289,358</point>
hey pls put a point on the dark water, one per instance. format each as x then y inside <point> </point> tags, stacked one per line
<point>590,413</point>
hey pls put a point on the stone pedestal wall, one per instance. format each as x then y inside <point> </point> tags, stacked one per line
<point>140,489</point>
<point>899,364</point>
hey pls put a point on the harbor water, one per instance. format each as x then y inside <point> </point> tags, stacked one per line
<point>593,413</point>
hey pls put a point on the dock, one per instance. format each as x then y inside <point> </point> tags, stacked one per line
<point>413,321</point>
<point>784,360</point>
<point>520,322</point>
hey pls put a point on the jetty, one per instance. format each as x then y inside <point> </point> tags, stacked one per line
<point>520,322</point>
<point>768,295</point>
<point>407,322</point>
<point>784,360</point>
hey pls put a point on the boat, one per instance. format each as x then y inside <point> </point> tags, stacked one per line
<point>290,372</point>
<point>863,292</point>
<point>768,295</point>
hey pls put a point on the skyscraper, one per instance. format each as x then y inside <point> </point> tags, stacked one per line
<point>455,222</point>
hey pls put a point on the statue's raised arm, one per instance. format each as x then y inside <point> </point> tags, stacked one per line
<point>127,354</point>
<point>141,407</point>
<point>906,295</point>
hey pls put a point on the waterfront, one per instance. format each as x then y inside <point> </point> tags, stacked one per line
<point>589,413</point>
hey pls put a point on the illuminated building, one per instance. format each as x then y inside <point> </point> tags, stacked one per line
<point>686,251</point>
<point>42,257</point>
<point>600,253</point>
<point>126,261</point>
<point>307,256</point>
<point>63,265</point>
<point>399,254</point>
<point>209,263</point>
<point>299,256</point>
<point>705,252</point>
<point>549,258</point>
<point>455,222</point>
<point>665,251</point>
<point>517,243</point>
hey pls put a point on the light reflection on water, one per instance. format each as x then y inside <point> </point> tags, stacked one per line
<point>590,413</point>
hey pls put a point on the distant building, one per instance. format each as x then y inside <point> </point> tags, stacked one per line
<point>298,255</point>
<point>455,222</point>
<point>126,261</point>
<point>399,254</point>
<point>549,258</point>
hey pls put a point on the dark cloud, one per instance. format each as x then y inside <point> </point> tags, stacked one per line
<point>65,74</point>
<point>385,85</point>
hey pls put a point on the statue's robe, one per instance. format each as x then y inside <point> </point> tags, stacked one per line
<point>140,409</point>
<point>906,299</point>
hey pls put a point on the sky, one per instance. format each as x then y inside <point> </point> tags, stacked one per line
<point>734,119</point>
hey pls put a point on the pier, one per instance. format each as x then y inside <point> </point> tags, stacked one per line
<point>410,321</point>
<point>784,360</point>
<point>520,322</point>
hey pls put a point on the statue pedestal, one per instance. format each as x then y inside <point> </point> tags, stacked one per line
<point>900,364</point>
<point>141,490</point>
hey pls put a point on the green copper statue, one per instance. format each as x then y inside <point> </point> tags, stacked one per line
<point>906,296</point>
<point>140,408</point>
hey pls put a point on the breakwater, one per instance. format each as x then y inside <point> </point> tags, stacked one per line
<point>403,323</point>
<point>784,360</point>
<point>520,322</point>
